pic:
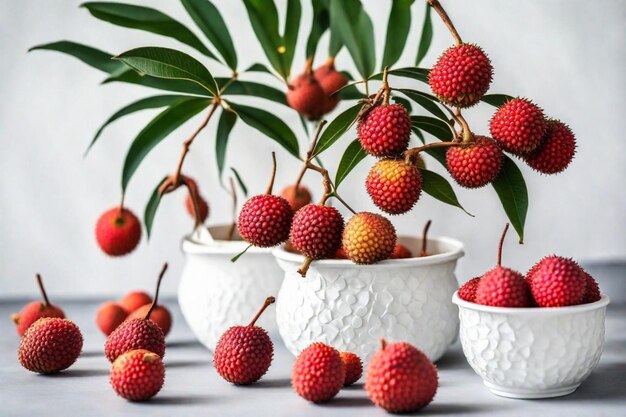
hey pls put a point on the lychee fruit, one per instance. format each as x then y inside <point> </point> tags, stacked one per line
<point>394,185</point>
<point>467,291</point>
<point>137,375</point>
<point>592,291</point>
<point>476,164</point>
<point>244,353</point>
<point>401,252</point>
<point>502,287</point>
<point>118,231</point>
<point>400,378</point>
<point>316,231</point>
<point>203,206</point>
<point>296,198</point>
<point>32,312</point>
<point>518,126</point>
<point>50,345</point>
<point>134,299</point>
<point>354,367</point>
<point>368,238</point>
<point>556,150</point>
<point>306,96</point>
<point>557,282</point>
<point>318,373</point>
<point>140,333</point>
<point>160,315</point>
<point>385,130</point>
<point>341,254</point>
<point>331,81</point>
<point>109,316</point>
<point>461,76</point>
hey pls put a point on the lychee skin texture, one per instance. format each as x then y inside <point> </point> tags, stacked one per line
<point>467,291</point>
<point>556,151</point>
<point>330,80</point>
<point>341,254</point>
<point>264,220</point>
<point>118,232</point>
<point>137,375</point>
<point>203,207</point>
<point>558,282</point>
<point>316,231</point>
<point>135,334</point>
<point>394,186</point>
<point>592,292</point>
<point>502,287</point>
<point>296,199</point>
<point>461,76</point>
<point>476,164</point>
<point>368,238</point>
<point>518,126</point>
<point>32,312</point>
<point>401,379</point>
<point>50,345</point>
<point>318,373</point>
<point>160,315</point>
<point>243,354</point>
<point>385,131</point>
<point>401,252</point>
<point>354,367</point>
<point>109,316</point>
<point>306,96</point>
<point>135,299</point>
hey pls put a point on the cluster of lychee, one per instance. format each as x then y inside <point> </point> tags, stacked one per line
<point>554,281</point>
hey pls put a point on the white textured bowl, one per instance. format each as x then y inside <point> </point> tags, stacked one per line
<point>215,293</point>
<point>350,307</point>
<point>532,352</point>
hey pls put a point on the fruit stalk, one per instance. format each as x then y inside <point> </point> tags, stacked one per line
<point>270,186</point>
<point>233,193</point>
<point>424,251</point>
<point>506,228</point>
<point>156,293</point>
<point>169,185</point>
<point>269,300</point>
<point>46,301</point>
<point>446,19</point>
<point>409,153</point>
<point>385,88</point>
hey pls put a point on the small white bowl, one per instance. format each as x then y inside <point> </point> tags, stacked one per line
<point>532,352</point>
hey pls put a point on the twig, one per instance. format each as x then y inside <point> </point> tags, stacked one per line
<point>446,19</point>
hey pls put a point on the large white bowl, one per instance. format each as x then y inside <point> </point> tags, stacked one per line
<point>532,352</point>
<point>350,307</point>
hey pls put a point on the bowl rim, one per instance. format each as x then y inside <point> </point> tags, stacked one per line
<point>190,245</point>
<point>457,252</point>
<point>521,311</point>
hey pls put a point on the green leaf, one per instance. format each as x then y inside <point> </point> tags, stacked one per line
<point>224,126</point>
<point>513,194</point>
<point>426,37</point>
<point>350,92</point>
<point>351,23</point>
<point>145,18</point>
<point>419,74</point>
<point>426,101</point>
<point>269,125</point>
<point>91,56</point>
<point>143,104</point>
<point>496,100</point>
<point>337,128</point>
<point>397,31</point>
<point>436,127</point>
<point>406,103</point>
<point>210,21</point>
<point>169,63</point>
<point>334,44</point>
<point>259,68</point>
<point>131,76</point>
<point>319,25</point>
<point>151,207</point>
<point>353,154</point>
<point>243,187</point>
<point>439,154</point>
<point>438,187</point>
<point>290,34</point>
<point>253,89</point>
<point>162,125</point>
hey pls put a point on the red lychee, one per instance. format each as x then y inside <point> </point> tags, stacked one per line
<point>592,291</point>
<point>296,199</point>
<point>50,345</point>
<point>316,231</point>
<point>160,315</point>
<point>354,367</point>
<point>318,373</point>
<point>368,238</point>
<point>264,220</point>
<point>134,299</point>
<point>109,316</point>
<point>558,282</point>
<point>394,185</point>
<point>203,206</point>
<point>306,96</point>
<point>461,76</point>
<point>518,126</point>
<point>331,81</point>
<point>476,164</point>
<point>244,353</point>
<point>556,150</point>
<point>32,312</point>
<point>118,231</point>
<point>385,130</point>
<point>400,378</point>
<point>137,375</point>
<point>401,252</point>
<point>467,291</point>
<point>341,254</point>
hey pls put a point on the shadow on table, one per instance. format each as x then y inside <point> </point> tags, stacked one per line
<point>270,383</point>
<point>348,402</point>
<point>453,359</point>
<point>606,382</point>
<point>358,386</point>
<point>91,353</point>
<point>80,373</point>
<point>436,409</point>
<point>177,400</point>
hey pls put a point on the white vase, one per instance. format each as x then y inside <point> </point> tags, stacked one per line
<point>532,352</point>
<point>215,293</point>
<point>351,307</point>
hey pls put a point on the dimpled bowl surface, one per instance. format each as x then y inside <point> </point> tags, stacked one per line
<point>532,352</point>
<point>351,307</point>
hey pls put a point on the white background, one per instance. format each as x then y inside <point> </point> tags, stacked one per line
<point>566,55</point>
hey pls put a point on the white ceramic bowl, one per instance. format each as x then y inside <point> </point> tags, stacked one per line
<point>215,293</point>
<point>532,352</point>
<point>350,307</point>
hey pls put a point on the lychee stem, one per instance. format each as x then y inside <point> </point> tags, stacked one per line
<point>383,343</point>
<point>195,201</point>
<point>233,194</point>
<point>424,251</point>
<point>506,228</point>
<point>269,300</point>
<point>467,133</point>
<point>308,66</point>
<point>305,266</point>
<point>46,301</point>
<point>122,204</point>
<point>446,19</point>
<point>156,293</point>
<point>270,186</point>
<point>409,153</point>
<point>386,88</point>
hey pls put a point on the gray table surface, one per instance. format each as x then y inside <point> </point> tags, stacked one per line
<point>193,388</point>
